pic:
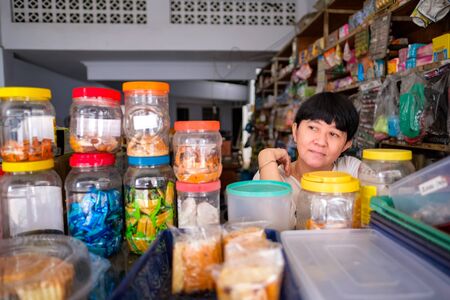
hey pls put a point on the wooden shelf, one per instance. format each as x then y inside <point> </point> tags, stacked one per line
<point>423,146</point>
<point>347,88</point>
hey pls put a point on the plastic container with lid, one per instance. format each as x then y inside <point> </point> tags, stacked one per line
<point>31,195</point>
<point>146,120</point>
<point>263,200</point>
<point>28,124</point>
<point>95,120</point>
<point>425,194</point>
<point>94,202</point>
<point>359,264</point>
<point>197,150</point>
<point>44,267</point>
<point>198,204</point>
<point>326,200</point>
<point>149,200</point>
<point>380,169</point>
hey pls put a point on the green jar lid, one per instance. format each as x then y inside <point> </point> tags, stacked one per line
<point>259,188</point>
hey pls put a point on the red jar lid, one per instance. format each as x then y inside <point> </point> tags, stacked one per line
<point>92,159</point>
<point>198,187</point>
<point>197,125</point>
<point>96,92</point>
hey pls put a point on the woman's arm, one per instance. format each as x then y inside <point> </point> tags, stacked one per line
<point>268,160</point>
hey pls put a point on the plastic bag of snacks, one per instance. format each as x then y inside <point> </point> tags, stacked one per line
<point>255,274</point>
<point>253,229</point>
<point>196,250</point>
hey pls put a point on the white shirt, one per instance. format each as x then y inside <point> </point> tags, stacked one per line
<point>347,164</point>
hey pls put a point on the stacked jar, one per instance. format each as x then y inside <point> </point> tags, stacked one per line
<point>94,186</point>
<point>31,191</point>
<point>198,166</point>
<point>149,179</point>
<point>149,200</point>
<point>94,205</point>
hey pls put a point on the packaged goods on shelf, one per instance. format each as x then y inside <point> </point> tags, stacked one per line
<point>441,47</point>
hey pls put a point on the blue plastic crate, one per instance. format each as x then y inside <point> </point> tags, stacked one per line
<point>151,275</point>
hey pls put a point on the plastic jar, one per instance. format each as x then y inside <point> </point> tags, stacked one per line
<point>326,200</point>
<point>147,119</point>
<point>381,168</point>
<point>27,124</point>
<point>197,150</point>
<point>45,267</point>
<point>95,120</point>
<point>31,194</point>
<point>94,202</point>
<point>261,200</point>
<point>198,204</point>
<point>149,200</point>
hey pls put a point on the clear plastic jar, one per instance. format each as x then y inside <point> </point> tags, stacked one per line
<point>147,119</point>
<point>380,169</point>
<point>95,120</point>
<point>94,202</point>
<point>326,200</point>
<point>149,200</point>
<point>197,150</point>
<point>27,124</point>
<point>46,266</point>
<point>31,194</point>
<point>198,204</point>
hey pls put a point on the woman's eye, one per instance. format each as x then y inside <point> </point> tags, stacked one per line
<point>333,134</point>
<point>312,128</point>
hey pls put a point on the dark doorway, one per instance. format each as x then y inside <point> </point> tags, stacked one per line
<point>237,125</point>
<point>182,114</point>
<point>211,113</point>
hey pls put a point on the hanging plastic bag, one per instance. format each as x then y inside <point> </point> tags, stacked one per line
<point>412,103</point>
<point>386,108</point>
<point>436,106</point>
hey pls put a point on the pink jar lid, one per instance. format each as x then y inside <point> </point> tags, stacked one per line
<point>198,187</point>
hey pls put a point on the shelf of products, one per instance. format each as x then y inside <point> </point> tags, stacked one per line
<point>366,41</point>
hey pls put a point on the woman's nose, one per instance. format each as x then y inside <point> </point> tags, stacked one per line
<point>321,139</point>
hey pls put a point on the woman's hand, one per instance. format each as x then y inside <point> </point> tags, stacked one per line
<point>268,161</point>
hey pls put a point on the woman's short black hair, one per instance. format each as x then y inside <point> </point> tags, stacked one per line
<point>330,107</point>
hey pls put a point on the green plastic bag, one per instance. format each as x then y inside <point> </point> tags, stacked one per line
<point>411,109</point>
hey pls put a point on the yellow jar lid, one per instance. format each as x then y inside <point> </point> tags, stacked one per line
<point>329,182</point>
<point>30,93</point>
<point>387,154</point>
<point>28,166</point>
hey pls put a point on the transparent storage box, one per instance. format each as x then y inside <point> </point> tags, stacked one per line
<point>359,264</point>
<point>425,194</point>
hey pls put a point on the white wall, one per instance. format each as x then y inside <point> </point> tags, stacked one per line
<point>157,34</point>
<point>24,74</point>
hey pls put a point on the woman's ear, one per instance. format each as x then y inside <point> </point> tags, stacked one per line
<point>294,131</point>
<point>347,145</point>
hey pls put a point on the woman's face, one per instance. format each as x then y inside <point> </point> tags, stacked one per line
<point>319,144</point>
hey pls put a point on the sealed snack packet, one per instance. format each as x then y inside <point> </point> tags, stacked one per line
<point>254,276</point>
<point>196,250</point>
<point>253,229</point>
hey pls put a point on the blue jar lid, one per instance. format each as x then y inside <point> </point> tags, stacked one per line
<point>149,161</point>
<point>259,188</point>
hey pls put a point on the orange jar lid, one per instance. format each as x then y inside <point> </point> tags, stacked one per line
<point>197,125</point>
<point>155,87</point>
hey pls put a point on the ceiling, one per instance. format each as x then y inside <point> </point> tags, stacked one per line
<point>71,63</point>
